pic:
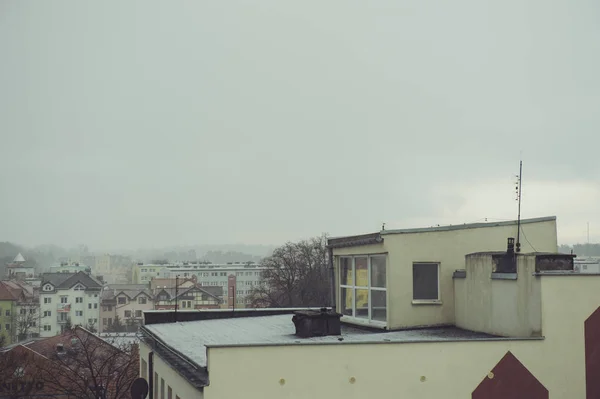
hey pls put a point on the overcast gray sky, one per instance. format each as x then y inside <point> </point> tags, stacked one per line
<point>146,123</point>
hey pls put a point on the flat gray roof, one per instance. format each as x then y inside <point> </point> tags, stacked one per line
<point>468,226</point>
<point>191,338</point>
<point>446,228</point>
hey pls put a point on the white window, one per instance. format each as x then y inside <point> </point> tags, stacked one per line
<point>128,313</point>
<point>47,313</point>
<point>79,313</point>
<point>63,299</point>
<point>240,292</point>
<point>95,306</point>
<point>47,328</point>
<point>426,282</point>
<point>142,300</point>
<point>79,299</point>
<point>363,289</point>
<point>47,300</point>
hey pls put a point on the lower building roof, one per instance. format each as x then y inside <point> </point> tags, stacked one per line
<point>191,338</point>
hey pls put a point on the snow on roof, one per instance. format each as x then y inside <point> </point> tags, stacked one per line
<point>19,258</point>
<point>191,338</point>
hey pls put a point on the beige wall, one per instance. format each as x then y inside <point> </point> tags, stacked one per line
<point>510,308</point>
<point>449,249</point>
<point>178,384</point>
<point>451,369</point>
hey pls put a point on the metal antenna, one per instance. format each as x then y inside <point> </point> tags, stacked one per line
<point>518,189</point>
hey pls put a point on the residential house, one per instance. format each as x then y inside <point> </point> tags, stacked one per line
<point>69,298</point>
<point>25,315</point>
<point>238,276</point>
<point>108,310</point>
<point>130,301</point>
<point>187,298</point>
<point>8,305</point>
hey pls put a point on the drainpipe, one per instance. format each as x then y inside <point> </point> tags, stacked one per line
<point>332,279</point>
<point>151,375</point>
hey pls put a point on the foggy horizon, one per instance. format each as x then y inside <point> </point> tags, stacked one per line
<point>131,125</point>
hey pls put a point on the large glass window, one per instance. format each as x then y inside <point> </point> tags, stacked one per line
<point>363,287</point>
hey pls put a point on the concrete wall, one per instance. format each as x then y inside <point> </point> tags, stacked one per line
<point>178,384</point>
<point>416,370</point>
<point>449,249</point>
<point>510,308</point>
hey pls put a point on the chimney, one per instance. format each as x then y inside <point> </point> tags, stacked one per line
<point>510,246</point>
<point>508,263</point>
<point>314,323</point>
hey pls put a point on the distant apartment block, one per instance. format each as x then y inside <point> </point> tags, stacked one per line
<point>70,268</point>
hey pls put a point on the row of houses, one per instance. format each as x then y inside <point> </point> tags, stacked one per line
<point>71,296</point>
<point>123,305</point>
<point>450,311</point>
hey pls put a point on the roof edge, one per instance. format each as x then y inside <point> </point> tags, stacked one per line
<point>467,226</point>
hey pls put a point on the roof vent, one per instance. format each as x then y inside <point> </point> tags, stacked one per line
<point>313,323</point>
<point>60,348</point>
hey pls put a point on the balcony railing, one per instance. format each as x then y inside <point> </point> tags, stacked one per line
<point>63,307</point>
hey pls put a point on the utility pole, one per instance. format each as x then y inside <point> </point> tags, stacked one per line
<point>520,179</point>
<point>176,295</point>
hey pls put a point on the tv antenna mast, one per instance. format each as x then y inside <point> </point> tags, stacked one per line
<point>518,192</point>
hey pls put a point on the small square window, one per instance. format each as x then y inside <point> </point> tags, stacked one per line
<point>426,281</point>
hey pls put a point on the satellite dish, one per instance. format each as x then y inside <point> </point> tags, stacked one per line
<point>139,389</point>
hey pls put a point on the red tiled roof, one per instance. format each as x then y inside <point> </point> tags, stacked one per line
<point>7,293</point>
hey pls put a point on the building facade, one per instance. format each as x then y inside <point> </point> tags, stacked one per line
<point>403,278</point>
<point>519,319</point>
<point>245,276</point>
<point>69,299</point>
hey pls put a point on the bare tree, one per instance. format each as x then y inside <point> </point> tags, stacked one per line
<point>81,365</point>
<point>296,274</point>
<point>91,327</point>
<point>26,322</point>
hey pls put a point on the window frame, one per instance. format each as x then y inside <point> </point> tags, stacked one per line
<point>369,319</point>
<point>437,301</point>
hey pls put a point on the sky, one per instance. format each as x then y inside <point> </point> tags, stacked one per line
<point>147,124</point>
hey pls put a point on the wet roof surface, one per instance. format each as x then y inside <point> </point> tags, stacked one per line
<point>191,338</point>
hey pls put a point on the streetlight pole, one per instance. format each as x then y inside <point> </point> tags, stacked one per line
<point>176,295</point>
